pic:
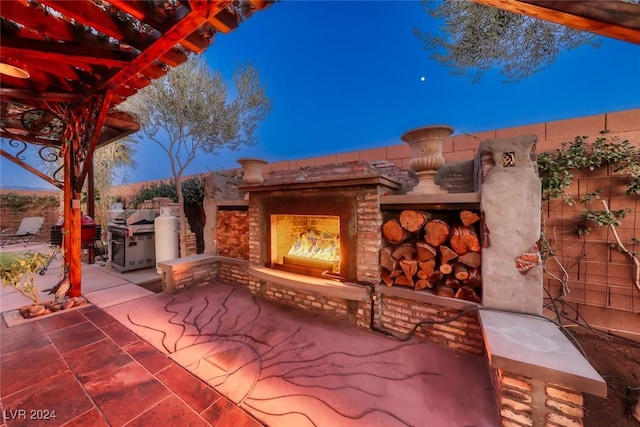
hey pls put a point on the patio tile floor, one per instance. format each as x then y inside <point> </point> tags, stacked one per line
<point>91,370</point>
<point>219,356</point>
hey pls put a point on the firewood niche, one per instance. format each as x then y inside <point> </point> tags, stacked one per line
<point>435,251</point>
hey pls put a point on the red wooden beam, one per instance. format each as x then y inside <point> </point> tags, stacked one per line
<point>90,14</point>
<point>616,19</point>
<point>30,168</point>
<point>97,130</point>
<point>200,13</point>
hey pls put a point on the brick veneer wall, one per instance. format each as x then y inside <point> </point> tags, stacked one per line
<point>463,333</point>
<point>237,275</point>
<point>187,273</point>
<point>232,234</point>
<point>352,311</point>
<point>525,402</point>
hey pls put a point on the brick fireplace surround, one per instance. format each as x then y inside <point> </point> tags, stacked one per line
<point>539,376</point>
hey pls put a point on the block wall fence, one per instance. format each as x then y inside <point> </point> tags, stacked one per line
<point>10,219</point>
<point>599,278</point>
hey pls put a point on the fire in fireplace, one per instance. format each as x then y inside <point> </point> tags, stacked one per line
<point>306,244</point>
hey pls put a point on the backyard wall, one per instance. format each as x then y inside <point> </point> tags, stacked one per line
<point>599,279</point>
<point>10,219</point>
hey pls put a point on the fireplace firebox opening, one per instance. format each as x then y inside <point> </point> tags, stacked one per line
<point>305,244</point>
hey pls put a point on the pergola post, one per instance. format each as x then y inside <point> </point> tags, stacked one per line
<point>72,218</point>
<point>91,207</point>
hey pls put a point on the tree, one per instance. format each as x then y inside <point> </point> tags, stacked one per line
<point>475,38</point>
<point>107,162</point>
<point>190,110</point>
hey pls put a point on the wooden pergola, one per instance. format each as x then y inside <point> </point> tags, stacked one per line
<point>65,66</point>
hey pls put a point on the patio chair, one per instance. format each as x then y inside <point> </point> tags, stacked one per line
<point>29,228</point>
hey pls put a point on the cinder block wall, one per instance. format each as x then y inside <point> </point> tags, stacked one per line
<point>11,220</point>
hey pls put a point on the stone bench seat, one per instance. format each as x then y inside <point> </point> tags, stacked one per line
<point>535,348</point>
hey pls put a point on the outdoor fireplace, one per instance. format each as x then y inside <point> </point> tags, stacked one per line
<point>323,219</point>
<point>310,235</point>
<point>306,244</point>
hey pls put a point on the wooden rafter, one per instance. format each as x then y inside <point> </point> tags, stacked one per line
<point>611,18</point>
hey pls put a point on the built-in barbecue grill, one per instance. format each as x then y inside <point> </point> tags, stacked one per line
<point>133,240</point>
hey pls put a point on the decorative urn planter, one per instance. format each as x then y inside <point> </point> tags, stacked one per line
<point>426,156</point>
<point>252,170</point>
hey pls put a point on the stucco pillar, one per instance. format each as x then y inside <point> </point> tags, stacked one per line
<point>510,201</point>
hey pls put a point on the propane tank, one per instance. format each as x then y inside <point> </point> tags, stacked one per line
<point>166,235</point>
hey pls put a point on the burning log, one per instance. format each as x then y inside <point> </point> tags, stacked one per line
<point>412,221</point>
<point>464,239</point>
<point>393,231</point>
<point>436,232</point>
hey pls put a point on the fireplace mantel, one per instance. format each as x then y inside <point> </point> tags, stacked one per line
<point>432,201</point>
<point>323,183</point>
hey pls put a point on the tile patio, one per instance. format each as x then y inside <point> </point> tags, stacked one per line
<point>219,356</point>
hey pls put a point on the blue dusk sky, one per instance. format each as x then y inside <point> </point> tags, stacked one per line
<point>351,75</point>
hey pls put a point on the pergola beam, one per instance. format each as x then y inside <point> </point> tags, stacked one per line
<point>30,168</point>
<point>611,18</point>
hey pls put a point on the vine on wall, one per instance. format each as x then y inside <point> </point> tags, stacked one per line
<point>557,169</point>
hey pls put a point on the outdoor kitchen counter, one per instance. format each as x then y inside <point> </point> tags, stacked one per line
<point>346,290</point>
<point>535,348</point>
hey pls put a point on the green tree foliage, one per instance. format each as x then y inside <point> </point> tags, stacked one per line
<point>108,161</point>
<point>475,38</point>
<point>191,109</point>
<point>193,191</point>
<point>153,190</point>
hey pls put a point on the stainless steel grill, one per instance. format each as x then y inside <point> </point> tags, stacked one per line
<point>133,240</point>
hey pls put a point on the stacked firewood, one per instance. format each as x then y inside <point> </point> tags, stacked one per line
<point>433,254</point>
